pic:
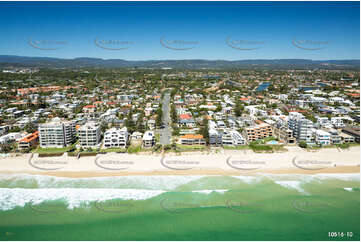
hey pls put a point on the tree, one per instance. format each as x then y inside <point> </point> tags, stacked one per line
<point>204,130</point>
<point>158,121</point>
<point>139,125</point>
<point>30,128</point>
<point>174,114</point>
<point>219,108</point>
<point>303,144</point>
<point>238,109</point>
<point>129,123</point>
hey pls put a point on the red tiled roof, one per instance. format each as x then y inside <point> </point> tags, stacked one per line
<point>185,116</point>
<point>30,137</point>
<point>192,136</point>
<point>89,106</point>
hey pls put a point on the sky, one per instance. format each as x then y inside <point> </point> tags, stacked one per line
<point>181,30</point>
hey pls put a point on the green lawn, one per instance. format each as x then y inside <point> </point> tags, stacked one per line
<point>191,147</point>
<point>52,150</point>
<point>113,150</point>
<point>157,138</point>
<point>238,147</point>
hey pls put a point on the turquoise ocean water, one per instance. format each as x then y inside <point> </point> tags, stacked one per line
<point>259,207</point>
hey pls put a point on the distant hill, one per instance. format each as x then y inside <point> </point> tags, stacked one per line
<point>12,60</point>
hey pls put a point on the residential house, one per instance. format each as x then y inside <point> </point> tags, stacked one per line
<point>192,139</point>
<point>232,137</point>
<point>29,141</point>
<point>148,139</point>
<point>117,138</point>
<point>322,137</point>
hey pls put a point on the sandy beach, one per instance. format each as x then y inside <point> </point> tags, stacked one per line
<point>225,162</point>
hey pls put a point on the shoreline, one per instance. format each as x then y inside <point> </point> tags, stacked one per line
<point>80,174</point>
<point>228,162</point>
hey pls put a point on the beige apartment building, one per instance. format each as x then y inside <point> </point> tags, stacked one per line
<point>258,131</point>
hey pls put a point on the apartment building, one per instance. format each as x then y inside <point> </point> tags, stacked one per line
<point>346,138</point>
<point>29,141</point>
<point>89,135</point>
<point>115,137</point>
<point>285,134</point>
<point>322,137</point>
<point>148,139</point>
<point>334,135</point>
<point>192,139</point>
<point>232,137</point>
<point>302,128</point>
<point>354,132</point>
<point>56,134</point>
<point>258,131</point>
<point>215,137</point>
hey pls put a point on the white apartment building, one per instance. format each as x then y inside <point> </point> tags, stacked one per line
<point>324,122</point>
<point>335,136</point>
<point>56,134</point>
<point>232,137</point>
<point>89,135</point>
<point>116,138</point>
<point>337,122</point>
<point>148,139</point>
<point>322,137</point>
<point>301,127</point>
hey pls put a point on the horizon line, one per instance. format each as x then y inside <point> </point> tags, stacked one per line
<point>73,58</point>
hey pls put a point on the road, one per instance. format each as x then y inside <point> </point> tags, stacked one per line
<point>166,132</point>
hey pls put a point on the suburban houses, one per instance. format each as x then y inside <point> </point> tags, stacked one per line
<point>209,109</point>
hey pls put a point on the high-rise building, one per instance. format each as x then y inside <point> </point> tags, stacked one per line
<point>56,134</point>
<point>302,128</point>
<point>89,135</point>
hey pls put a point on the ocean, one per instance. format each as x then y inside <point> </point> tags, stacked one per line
<point>258,207</point>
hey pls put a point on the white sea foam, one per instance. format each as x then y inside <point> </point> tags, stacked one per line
<point>134,182</point>
<point>249,179</point>
<point>340,176</point>
<point>296,185</point>
<point>210,191</point>
<point>74,197</point>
